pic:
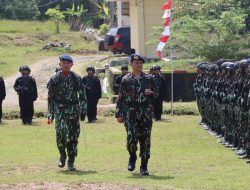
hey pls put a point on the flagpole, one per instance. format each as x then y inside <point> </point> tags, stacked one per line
<point>165,37</point>
<point>172,79</point>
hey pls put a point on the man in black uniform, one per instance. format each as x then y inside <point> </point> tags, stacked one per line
<point>124,70</point>
<point>161,84</point>
<point>93,90</point>
<point>25,86</point>
<point>2,95</point>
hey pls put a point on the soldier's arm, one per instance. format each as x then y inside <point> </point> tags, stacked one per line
<point>51,107</point>
<point>121,100</point>
<point>34,88</point>
<point>82,98</point>
<point>3,91</point>
<point>99,88</point>
<point>154,88</point>
<point>17,85</point>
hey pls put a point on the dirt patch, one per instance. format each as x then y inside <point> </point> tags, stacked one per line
<point>22,41</point>
<point>66,186</point>
<point>41,71</point>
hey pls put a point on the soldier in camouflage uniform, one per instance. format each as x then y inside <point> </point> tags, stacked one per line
<point>25,86</point>
<point>135,109</point>
<point>66,103</point>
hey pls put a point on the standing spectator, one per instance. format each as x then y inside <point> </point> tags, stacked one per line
<point>2,96</point>
<point>25,86</point>
<point>118,80</point>
<point>93,90</point>
<point>161,84</point>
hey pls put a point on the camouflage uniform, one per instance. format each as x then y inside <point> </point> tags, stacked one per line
<point>137,110</point>
<point>66,101</point>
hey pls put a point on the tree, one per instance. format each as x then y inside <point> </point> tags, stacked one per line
<point>212,30</point>
<point>19,9</point>
<point>56,16</point>
<point>75,17</point>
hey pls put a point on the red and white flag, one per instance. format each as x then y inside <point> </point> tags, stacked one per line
<point>166,32</point>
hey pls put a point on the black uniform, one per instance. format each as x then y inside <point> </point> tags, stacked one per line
<point>118,81</point>
<point>93,94</point>
<point>2,95</point>
<point>157,104</point>
<point>25,86</point>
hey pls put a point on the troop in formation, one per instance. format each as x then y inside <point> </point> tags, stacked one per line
<point>223,97</point>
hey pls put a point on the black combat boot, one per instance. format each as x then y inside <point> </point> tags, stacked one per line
<point>144,167</point>
<point>62,159</point>
<point>131,162</point>
<point>71,166</point>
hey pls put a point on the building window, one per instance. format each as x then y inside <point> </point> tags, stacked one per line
<point>125,8</point>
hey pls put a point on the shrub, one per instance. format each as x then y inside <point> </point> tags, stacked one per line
<point>104,28</point>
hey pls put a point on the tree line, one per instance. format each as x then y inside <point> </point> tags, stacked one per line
<point>92,10</point>
<point>212,29</point>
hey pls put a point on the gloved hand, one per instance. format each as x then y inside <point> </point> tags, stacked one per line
<point>82,116</point>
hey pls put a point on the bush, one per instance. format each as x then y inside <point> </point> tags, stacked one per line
<point>104,28</point>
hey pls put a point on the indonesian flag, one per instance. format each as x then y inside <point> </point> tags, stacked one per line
<point>166,32</point>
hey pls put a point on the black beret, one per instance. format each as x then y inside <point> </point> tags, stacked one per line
<point>137,57</point>
<point>24,68</point>
<point>124,67</point>
<point>90,68</point>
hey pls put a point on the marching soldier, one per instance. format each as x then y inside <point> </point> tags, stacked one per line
<point>93,90</point>
<point>2,96</point>
<point>25,86</point>
<point>135,109</point>
<point>66,103</point>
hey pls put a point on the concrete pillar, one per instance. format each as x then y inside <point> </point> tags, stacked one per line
<point>119,13</point>
<point>137,26</point>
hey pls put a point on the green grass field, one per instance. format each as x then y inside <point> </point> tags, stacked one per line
<point>184,156</point>
<point>21,43</point>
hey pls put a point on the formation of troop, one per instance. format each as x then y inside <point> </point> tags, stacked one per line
<point>223,97</point>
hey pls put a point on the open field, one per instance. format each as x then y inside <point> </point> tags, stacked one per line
<point>184,156</point>
<point>21,43</point>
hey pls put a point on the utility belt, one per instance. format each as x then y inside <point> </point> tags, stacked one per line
<point>137,105</point>
<point>67,103</point>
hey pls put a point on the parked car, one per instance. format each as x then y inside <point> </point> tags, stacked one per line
<point>117,40</point>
